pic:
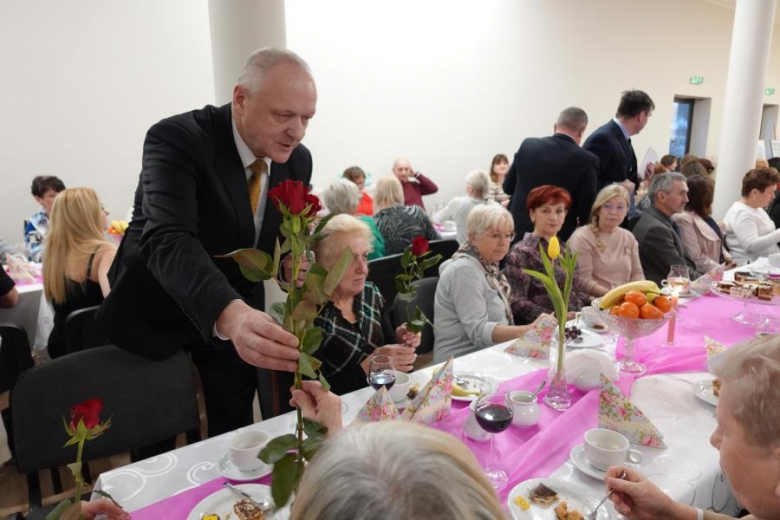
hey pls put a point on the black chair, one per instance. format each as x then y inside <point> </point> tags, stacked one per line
<point>148,402</point>
<point>15,358</point>
<point>426,293</point>
<point>82,331</point>
<point>445,248</point>
<point>382,273</point>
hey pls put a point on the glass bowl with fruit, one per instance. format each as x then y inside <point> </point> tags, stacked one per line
<point>633,310</point>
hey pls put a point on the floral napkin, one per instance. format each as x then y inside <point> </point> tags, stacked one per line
<point>19,270</point>
<point>379,408</point>
<point>535,343</point>
<point>714,351</point>
<point>617,413</point>
<point>433,402</point>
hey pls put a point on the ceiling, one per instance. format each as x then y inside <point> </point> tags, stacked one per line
<point>732,5</point>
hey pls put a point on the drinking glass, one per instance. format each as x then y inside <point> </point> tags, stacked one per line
<point>381,372</point>
<point>678,278</point>
<point>494,415</point>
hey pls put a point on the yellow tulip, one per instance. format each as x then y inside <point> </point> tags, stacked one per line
<point>554,248</point>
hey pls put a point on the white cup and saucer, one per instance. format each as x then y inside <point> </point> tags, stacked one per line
<point>240,462</point>
<point>603,448</point>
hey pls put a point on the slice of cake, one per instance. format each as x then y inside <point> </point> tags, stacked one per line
<point>246,510</point>
<point>764,291</point>
<point>543,495</point>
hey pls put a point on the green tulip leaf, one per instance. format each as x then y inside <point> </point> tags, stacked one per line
<point>277,448</point>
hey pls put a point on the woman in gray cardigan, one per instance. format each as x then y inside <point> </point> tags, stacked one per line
<point>471,310</point>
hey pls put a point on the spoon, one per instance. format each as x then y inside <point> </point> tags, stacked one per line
<point>593,515</point>
<point>541,385</point>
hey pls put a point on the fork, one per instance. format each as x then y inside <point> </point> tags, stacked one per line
<point>594,514</point>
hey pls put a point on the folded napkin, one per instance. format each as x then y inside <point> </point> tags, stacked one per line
<point>714,351</point>
<point>19,270</point>
<point>535,343</point>
<point>433,402</point>
<point>617,413</point>
<point>378,408</point>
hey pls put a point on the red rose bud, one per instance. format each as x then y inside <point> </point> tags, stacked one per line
<point>419,246</point>
<point>289,193</point>
<point>88,411</point>
<point>315,204</point>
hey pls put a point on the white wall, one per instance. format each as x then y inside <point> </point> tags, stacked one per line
<point>447,83</point>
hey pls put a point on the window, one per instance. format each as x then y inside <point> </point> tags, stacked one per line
<point>682,123</point>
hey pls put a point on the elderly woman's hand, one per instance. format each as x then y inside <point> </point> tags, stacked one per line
<point>410,339</point>
<point>318,404</point>
<point>105,507</point>
<point>637,498</point>
<point>403,357</point>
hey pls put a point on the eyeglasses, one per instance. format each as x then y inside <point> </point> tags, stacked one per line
<point>619,208</point>
<point>495,235</point>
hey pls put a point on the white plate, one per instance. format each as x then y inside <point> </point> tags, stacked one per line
<point>486,385</point>
<point>604,330</point>
<point>221,502</point>
<point>576,497</point>
<point>587,340</point>
<point>580,461</point>
<point>231,472</point>
<point>703,390</point>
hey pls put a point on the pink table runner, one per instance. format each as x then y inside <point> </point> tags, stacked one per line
<point>538,451</point>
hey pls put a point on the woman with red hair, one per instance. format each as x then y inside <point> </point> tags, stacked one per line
<point>547,206</point>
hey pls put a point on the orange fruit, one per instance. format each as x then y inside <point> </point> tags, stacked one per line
<point>614,310</point>
<point>635,297</point>
<point>663,303</point>
<point>649,311</point>
<point>628,310</point>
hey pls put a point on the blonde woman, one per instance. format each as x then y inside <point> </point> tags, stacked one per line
<point>75,268</point>
<point>399,224</point>
<point>608,254</point>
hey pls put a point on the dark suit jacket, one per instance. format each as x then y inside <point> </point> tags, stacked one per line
<point>555,160</point>
<point>617,161</point>
<point>192,203</point>
<point>660,247</point>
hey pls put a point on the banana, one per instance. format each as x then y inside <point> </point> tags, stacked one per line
<point>462,392</point>
<point>115,225</point>
<point>124,225</point>
<point>616,294</point>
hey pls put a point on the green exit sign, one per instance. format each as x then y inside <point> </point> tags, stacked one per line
<point>769,92</point>
<point>697,80</point>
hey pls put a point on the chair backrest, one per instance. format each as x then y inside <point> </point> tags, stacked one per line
<point>82,331</point>
<point>148,401</point>
<point>426,293</point>
<point>382,272</point>
<point>445,248</point>
<point>15,355</point>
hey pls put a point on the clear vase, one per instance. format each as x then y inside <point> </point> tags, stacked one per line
<point>558,396</point>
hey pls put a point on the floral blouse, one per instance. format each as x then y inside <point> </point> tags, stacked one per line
<point>528,297</point>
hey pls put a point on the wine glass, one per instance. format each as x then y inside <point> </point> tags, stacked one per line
<point>678,278</point>
<point>381,372</point>
<point>494,414</point>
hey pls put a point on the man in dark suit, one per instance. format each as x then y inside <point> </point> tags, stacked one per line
<point>660,244</point>
<point>202,193</point>
<point>556,160</point>
<point>612,142</point>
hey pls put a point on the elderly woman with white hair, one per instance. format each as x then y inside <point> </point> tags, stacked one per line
<point>343,196</point>
<point>477,186</point>
<point>352,323</point>
<point>471,310</point>
<point>399,224</point>
<point>608,254</point>
<point>388,470</point>
<point>747,436</point>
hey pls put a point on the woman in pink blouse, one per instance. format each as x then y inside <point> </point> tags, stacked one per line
<point>608,254</point>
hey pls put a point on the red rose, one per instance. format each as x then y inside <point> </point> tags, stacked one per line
<point>88,411</point>
<point>315,204</point>
<point>420,246</point>
<point>289,193</point>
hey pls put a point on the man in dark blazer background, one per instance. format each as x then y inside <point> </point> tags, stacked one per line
<point>611,142</point>
<point>199,175</point>
<point>556,160</point>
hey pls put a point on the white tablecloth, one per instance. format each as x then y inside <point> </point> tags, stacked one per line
<point>688,470</point>
<point>34,314</point>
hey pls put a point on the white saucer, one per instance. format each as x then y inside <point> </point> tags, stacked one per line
<point>230,472</point>
<point>588,339</point>
<point>703,390</point>
<point>580,461</point>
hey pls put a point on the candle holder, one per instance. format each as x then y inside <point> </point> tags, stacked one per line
<point>672,319</point>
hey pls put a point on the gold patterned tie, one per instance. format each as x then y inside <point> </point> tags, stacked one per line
<point>258,169</point>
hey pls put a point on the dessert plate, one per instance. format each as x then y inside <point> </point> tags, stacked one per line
<point>576,497</point>
<point>221,502</point>
<point>703,390</point>
<point>485,385</point>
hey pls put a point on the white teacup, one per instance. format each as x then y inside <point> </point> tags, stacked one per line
<point>591,319</point>
<point>450,225</point>
<point>244,447</point>
<point>605,448</point>
<point>401,387</point>
<point>524,407</point>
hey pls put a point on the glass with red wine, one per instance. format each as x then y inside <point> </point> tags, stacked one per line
<point>381,372</point>
<point>494,414</point>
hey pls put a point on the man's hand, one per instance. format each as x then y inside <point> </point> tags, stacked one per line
<point>629,185</point>
<point>318,404</point>
<point>403,357</point>
<point>258,339</point>
<point>410,339</point>
<point>637,498</point>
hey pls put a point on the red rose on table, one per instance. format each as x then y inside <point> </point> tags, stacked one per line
<point>88,411</point>
<point>419,246</point>
<point>295,198</point>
